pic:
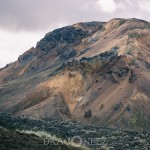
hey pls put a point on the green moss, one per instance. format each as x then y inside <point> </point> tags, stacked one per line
<point>135,35</point>
<point>139,122</point>
<point>121,22</point>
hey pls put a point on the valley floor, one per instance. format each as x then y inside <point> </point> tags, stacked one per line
<point>21,133</point>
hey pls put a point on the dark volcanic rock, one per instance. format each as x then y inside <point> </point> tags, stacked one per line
<point>63,38</point>
<point>88,114</point>
<point>133,77</point>
<point>68,53</point>
<point>67,35</point>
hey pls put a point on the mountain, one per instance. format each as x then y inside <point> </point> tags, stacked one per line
<point>95,72</point>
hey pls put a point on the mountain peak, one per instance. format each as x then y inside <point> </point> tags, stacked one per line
<point>91,72</point>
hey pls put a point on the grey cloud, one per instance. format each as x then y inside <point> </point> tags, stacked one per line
<point>43,14</point>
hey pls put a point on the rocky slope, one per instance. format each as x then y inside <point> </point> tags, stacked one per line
<point>31,134</point>
<point>91,72</point>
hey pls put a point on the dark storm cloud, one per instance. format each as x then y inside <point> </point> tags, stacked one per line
<point>41,14</point>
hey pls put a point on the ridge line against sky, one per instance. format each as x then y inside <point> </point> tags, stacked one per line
<point>23,23</point>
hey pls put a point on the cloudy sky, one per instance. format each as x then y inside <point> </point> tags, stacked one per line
<point>24,22</point>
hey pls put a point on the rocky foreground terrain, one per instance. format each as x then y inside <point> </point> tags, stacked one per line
<point>21,133</point>
<point>14,140</point>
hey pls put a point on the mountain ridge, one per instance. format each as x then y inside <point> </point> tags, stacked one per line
<point>92,72</point>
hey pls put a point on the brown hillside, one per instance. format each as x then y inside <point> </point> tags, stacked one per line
<point>92,72</point>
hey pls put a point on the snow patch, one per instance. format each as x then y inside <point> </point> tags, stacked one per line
<point>80,98</point>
